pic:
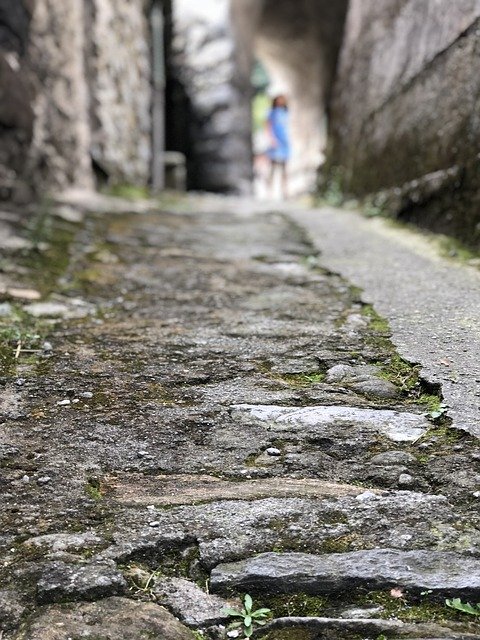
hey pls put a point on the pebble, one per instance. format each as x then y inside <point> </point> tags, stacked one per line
<point>47,346</point>
<point>476,494</point>
<point>273,451</point>
<point>87,395</point>
<point>154,523</point>
<point>142,454</point>
<point>63,403</point>
<point>6,309</point>
<point>366,495</point>
<point>405,479</point>
<point>44,480</point>
<point>26,479</point>
<point>20,382</point>
<point>75,401</point>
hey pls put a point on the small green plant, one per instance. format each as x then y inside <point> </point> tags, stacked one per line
<point>93,489</point>
<point>314,377</point>
<point>247,617</point>
<point>464,607</point>
<point>438,412</point>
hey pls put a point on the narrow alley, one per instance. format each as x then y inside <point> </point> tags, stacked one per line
<point>201,407</point>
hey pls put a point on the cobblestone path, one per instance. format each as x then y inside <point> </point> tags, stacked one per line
<point>194,409</point>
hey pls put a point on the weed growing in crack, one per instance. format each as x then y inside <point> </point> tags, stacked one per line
<point>464,607</point>
<point>438,412</point>
<point>248,617</point>
<point>146,586</point>
<point>93,489</point>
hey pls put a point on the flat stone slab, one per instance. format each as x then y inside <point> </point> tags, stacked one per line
<point>395,425</point>
<point>313,628</point>
<point>444,573</point>
<point>59,542</point>
<point>109,619</point>
<point>230,529</point>
<point>189,603</point>
<point>62,582</point>
<point>136,489</point>
<point>75,309</point>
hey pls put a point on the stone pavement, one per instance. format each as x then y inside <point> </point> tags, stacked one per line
<point>195,407</point>
<point>432,303</point>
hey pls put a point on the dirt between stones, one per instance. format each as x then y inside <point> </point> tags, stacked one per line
<point>147,432</point>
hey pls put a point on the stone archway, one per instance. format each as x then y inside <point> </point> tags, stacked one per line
<point>214,45</point>
<point>298,42</point>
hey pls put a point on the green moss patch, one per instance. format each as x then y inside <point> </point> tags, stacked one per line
<point>298,604</point>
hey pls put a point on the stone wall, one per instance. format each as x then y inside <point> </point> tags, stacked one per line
<point>16,91</point>
<point>119,87</point>
<point>406,118</point>
<point>75,89</point>
<point>210,66</point>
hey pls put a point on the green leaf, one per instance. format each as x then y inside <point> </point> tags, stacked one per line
<point>247,621</point>
<point>465,607</point>
<point>228,611</point>
<point>235,625</point>
<point>248,603</point>
<point>248,632</point>
<point>261,613</point>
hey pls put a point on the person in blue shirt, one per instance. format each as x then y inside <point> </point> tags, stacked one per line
<point>279,150</point>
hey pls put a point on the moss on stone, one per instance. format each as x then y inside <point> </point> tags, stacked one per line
<point>298,604</point>
<point>340,544</point>
<point>408,611</point>
<point>288,634</point>
<point>93,489</point>
<point>376,322</point>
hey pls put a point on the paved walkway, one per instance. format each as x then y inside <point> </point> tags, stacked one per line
<point>195,407</point>
<point>432,303</point>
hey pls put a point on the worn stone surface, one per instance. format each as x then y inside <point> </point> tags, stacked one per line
<point>330,628</point>
<point>119,82</point>
<point>442,573</point>
<point>397,60</point>
<point>183,489</point>
<point>74,309</point>
<point>11,610</point>
<point>235,529</point>
<point>62,582</point>
<point>364,378</point>
<point>55,542</point>
<point>108,619</point>
<point>129,440</point>
<point>331,421</point>
<point>377,258</point>
<point>189,603</point>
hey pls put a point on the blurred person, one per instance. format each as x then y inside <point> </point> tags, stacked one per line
<point>279,151</point>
